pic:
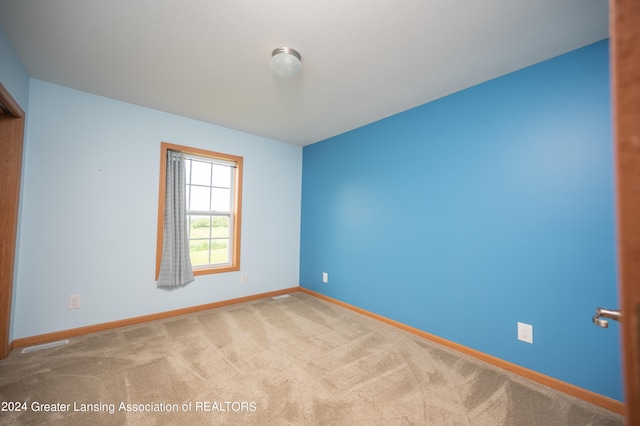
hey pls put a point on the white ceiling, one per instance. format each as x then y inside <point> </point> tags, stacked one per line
<point>363,60</point>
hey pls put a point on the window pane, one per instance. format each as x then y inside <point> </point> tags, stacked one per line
<point>200,173</point>
<point>199,252</point>
<point>221,200</point>
<point>199,227</point>
<point>220,251</point>
<point>187,168</point>
<point>222,176</point>
<point>220,227</point>
<point>200,198</point>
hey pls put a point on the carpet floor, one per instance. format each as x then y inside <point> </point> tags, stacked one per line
<point>295,360</point>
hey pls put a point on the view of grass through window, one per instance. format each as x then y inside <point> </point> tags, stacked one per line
<point>208,239</point>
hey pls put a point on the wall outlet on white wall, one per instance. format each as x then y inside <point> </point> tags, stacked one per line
<point>74,301</point>
<point>525,332</point>
<point>244,278</point>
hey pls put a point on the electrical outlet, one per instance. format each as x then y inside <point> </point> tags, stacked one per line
<point>74,301</point>
<point>244,278</point>
<point>325,277</point>
<point>525,332</point>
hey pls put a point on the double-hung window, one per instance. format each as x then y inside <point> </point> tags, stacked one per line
<point>213,208</point>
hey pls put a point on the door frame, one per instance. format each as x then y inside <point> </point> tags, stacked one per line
<point>12,119</point>
<point>624,16</point>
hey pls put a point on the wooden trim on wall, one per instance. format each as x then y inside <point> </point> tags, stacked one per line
<point>162,185</point>
<point>66,334</point>
<point>575,391</point>
<point>9,103</point>
<point>586,395</point>
<point>11,142</point>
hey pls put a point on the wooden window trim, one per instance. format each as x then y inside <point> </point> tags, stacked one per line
<point>237,208</point>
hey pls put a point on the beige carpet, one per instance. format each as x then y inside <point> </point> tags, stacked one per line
<point>296,360</point>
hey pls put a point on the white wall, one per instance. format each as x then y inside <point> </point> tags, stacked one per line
<point>89,212</point>
<point>12,74</point>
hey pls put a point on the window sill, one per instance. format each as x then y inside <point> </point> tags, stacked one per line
<point>215,270</point>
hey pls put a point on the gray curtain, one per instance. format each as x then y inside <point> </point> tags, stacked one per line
<point>175,265</point>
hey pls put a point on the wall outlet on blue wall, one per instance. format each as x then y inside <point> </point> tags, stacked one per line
<point>525,332</point>
<point>325,277</point>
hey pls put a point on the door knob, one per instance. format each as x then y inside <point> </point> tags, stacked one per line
<point>602,313</point>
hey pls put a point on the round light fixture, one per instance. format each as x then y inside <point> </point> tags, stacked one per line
<point>285,62</point>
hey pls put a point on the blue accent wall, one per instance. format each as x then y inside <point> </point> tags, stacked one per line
<point>466,215</point>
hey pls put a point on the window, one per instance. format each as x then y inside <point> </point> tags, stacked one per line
<point>213,203</point>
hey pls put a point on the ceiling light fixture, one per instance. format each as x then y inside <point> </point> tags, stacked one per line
<point>286,62</point>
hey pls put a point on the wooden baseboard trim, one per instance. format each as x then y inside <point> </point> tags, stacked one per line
<point>586,395</point>
<point>66,334</point>
<point>575,391</point>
